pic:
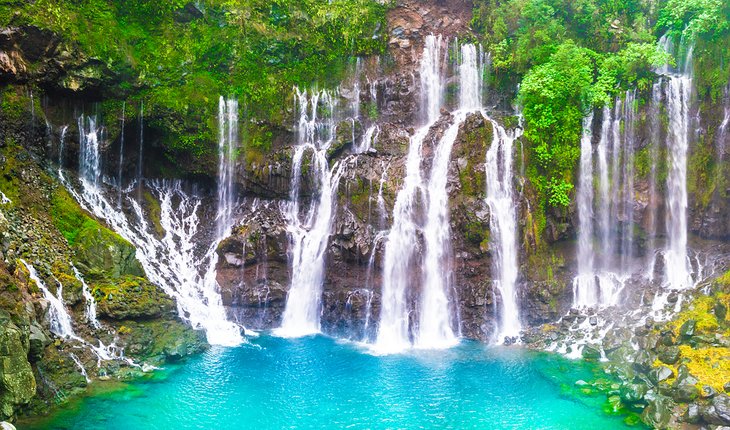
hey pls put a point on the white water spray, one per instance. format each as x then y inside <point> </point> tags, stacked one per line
<point>584,285</point>
<point>170,262</point>
<point>678,93</point>
<point>309,234</point>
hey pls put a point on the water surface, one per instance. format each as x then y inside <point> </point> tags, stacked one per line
<point>318,382</point>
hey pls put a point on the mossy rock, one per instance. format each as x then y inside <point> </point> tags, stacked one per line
<point>157,341</point>
<point>131,298</point>
<point>17,383</point>
<point>98,249</point>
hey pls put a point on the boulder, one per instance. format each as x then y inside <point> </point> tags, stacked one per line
<point>38,342</point>
<point>632,393</point>
<point>133,298</point>
<point>591,352</point>
<point>660,374</point>
<point>687,330</point>
<point>658,412</point>
<point>100,250</point>
<point>692,415</point>
<point>685,393</point>
<point>17,383</point>
<point>668,354</point>
<point>717,411</point>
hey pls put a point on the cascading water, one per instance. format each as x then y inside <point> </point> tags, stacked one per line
<point>401,245</point>
<point>655,137</point>
<point>503,228</point>
<point>309,234</point>
<point>435,322</point>
<point>90,306</point>
<point>81,367</point>
<point>121,157</point>
<point>368,139</point>
<point>627,197</point>
<point>227,145</point>
<point>170,262</point>
<point>678,93</point>
<point>60,320</point>
<point>585,291</point>
<point>601,283</point>
<point>89,160</point>
<point>140,159</point>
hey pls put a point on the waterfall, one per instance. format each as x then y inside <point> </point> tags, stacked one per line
<point>61,148</point>
<point>61,324</point>
<point>368,139</point>
<point>141,150</point>
<point>602,283</point>
<point>627,192</point>
<point>90,307</point>
<point>435,320</point>
<point>422,206</point>
<point>121,157</point>
<point>401,245</point>
<point>57,314</point>
<point>584,285</point>
<point>432,85</point>
<point>503,228</point>
<point>227,145</point>
<point>171,261</point>
<point>81,367</point>
<point>309,234</point>
<point>678,92</point>
<point>89,159</point>
<point>604,186</point>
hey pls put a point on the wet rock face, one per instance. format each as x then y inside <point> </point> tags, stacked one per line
<point>253,269</point>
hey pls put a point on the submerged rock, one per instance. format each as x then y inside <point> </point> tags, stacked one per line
<point>632,393</point>
<point>591,352</point>
<point>658,412</point>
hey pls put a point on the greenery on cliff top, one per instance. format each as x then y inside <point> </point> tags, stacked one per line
<point>180,56</point>
<point>572,56</point>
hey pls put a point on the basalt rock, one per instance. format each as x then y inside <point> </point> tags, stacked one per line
<point>717,411</point>
<point>17,383</point>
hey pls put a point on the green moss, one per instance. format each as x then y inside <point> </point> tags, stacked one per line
<point>473,177</point>
<point>14,103</point>
<point>130,297</point>
<point>155,341</point>
<point>68,216</point>
<point>155,212</point>
<point>97,248</point>
<point>701,169</point>
<point>253,49</point>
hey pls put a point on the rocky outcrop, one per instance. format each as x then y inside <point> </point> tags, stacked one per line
<point>16,375</point>
<point>29,53</point>
<point>673,373</point>
<point>42,224</point>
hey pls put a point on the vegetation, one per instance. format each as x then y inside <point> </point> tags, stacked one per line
<point>706,358</point>
<point>573,56</point>
<point>180,56</point>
